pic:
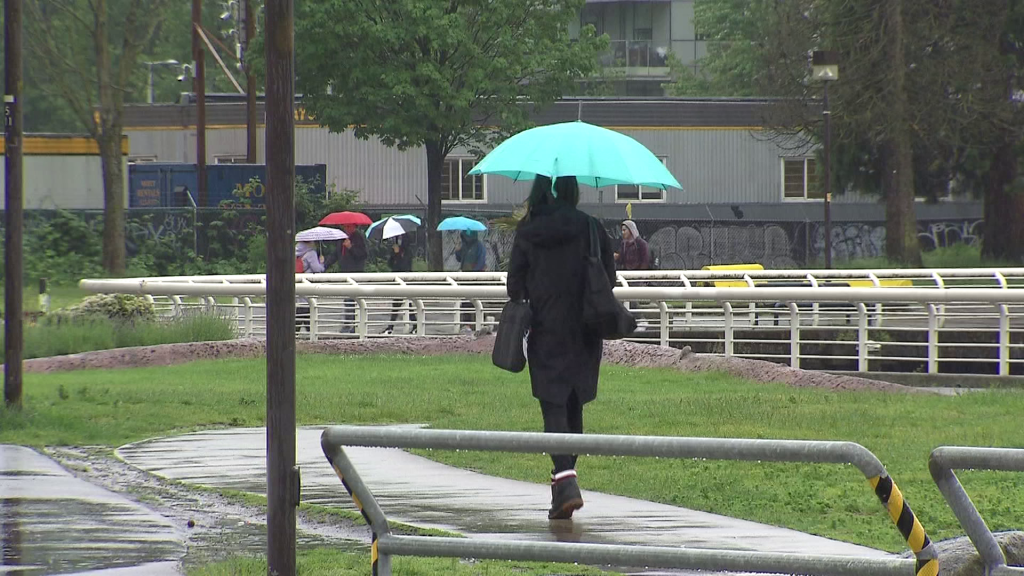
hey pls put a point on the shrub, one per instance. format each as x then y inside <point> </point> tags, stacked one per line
<point>124,307</point>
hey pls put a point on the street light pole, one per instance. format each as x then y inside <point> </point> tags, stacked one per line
<point>828,181</point>
<point>825,68</point>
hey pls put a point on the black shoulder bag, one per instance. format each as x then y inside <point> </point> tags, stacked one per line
<point>510,342</point>
<point>603,314</point>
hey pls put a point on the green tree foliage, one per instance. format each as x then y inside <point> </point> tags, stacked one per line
<point>922,98</point>
<point>441,75</point>
<point>922,90</point>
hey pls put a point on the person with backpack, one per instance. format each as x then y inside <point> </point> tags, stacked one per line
<point>307,261</point>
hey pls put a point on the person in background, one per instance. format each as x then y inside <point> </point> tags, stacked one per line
<point>634,254</point>
<point>472,257</point>
<point>548,268</point>
<point>350,257</point>
<point>400,260</point>
<point>312,263</point>
<point>351,253</point>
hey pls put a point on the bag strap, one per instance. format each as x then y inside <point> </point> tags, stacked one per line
<point>595,240</point>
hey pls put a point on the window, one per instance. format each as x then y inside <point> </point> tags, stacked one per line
<point>138,159</point>
<point>631,193</point>
<point>800,179</point>
<point>228,159</point>
<point>458,186</point>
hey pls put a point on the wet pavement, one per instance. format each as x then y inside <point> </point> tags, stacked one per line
<point>419,491</point>
<point>54,523</point>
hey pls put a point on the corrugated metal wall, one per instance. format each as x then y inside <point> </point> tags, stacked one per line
<point>714,166</point>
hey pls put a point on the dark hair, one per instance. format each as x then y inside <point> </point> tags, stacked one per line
<point>568,190</point>
<point>566,193</point>
<point>540,192</point>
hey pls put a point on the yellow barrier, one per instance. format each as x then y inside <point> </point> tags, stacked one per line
<point>732,283</point>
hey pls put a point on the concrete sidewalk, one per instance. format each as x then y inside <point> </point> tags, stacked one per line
<point>424,493</point>
<point>54,523</point>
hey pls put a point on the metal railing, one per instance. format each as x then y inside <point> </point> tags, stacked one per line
<point>965,320</point>
<point>384,544</point>
<point>941,464</point>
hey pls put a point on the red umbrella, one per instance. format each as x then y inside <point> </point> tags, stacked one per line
<point>346,218</point>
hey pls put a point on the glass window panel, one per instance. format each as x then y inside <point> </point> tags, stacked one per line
<point>793,178</point>
<point>627,192</point>
<point>814,187</point>
<point>652,194</point>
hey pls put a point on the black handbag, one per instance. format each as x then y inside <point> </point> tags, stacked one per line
<point>509,344</point>
<point>602,312</point>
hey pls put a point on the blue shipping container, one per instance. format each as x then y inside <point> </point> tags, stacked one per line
<point>173,185</point>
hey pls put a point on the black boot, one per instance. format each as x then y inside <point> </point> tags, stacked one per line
<point>565,496</point>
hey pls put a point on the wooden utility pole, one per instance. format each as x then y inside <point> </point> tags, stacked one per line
<point>282,475</point>
<point>199,89</point>
<point>249,32</point>
<point>14,204</point>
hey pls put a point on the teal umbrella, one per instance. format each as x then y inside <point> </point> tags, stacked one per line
<point>461,223</point>
<point>595,156</point>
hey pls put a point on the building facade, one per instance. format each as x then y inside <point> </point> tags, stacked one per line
<point>716,148</point>
<point>643,34</point>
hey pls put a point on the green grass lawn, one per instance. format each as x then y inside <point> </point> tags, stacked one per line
<point>118,406</point>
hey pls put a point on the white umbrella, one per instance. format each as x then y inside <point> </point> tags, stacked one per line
<point>320,233</point>
<point>391,227</point>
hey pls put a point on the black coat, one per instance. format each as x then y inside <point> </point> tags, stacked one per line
<point>400,261</point>
<point>349,259</point>
<point>547,267</point>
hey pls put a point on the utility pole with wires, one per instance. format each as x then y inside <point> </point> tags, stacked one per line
<point>199,89</point>
<point>14,204</point>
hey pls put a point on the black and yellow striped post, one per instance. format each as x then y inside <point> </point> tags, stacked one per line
<point>373,533</point>
<point>908,525</point>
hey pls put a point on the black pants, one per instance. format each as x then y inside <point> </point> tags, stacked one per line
<point>468,318</point>
<point>563,419</point>
<point>302,317</point>
<point>396,307</point>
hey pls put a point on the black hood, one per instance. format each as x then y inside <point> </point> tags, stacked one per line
<point>553,226</point>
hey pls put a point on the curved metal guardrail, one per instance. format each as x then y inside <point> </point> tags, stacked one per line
<point>384,544</point>
<point>942,462</point>
<point>966,320</point>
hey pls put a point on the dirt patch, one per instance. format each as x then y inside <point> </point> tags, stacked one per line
<point>615,352</point>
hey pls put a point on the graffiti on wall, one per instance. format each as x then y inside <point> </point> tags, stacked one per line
<point>857,240</point>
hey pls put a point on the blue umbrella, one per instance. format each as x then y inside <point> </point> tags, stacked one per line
<point>595,156</point>
<point>461,223</point>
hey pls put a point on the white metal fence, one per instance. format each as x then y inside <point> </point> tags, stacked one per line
<point>956,320</point>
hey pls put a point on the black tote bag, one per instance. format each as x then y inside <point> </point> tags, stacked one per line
<point>509,345</point>
<point>602,312</point>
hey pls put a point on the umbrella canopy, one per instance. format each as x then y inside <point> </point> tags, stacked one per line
<point>320,234</point>
<point>461,223</point>
<point>391,227</point>
<point>595,156</point>
<point>346,218</point>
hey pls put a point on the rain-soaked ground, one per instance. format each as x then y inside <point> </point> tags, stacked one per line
<point>419,491</point>
<point>102,517</point>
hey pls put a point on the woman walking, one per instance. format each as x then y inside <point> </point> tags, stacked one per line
<point>547,268</point>
<point>311,263</point>
<point>400,260</point>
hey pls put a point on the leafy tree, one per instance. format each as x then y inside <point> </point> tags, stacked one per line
<point>441,75</point>
<point>87,52</point>
<point>904,109</point>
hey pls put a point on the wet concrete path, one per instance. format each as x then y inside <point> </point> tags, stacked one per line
<point>418,491</point>
<point>54,523</point>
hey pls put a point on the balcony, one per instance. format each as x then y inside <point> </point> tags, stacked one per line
<point>636,58</point>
